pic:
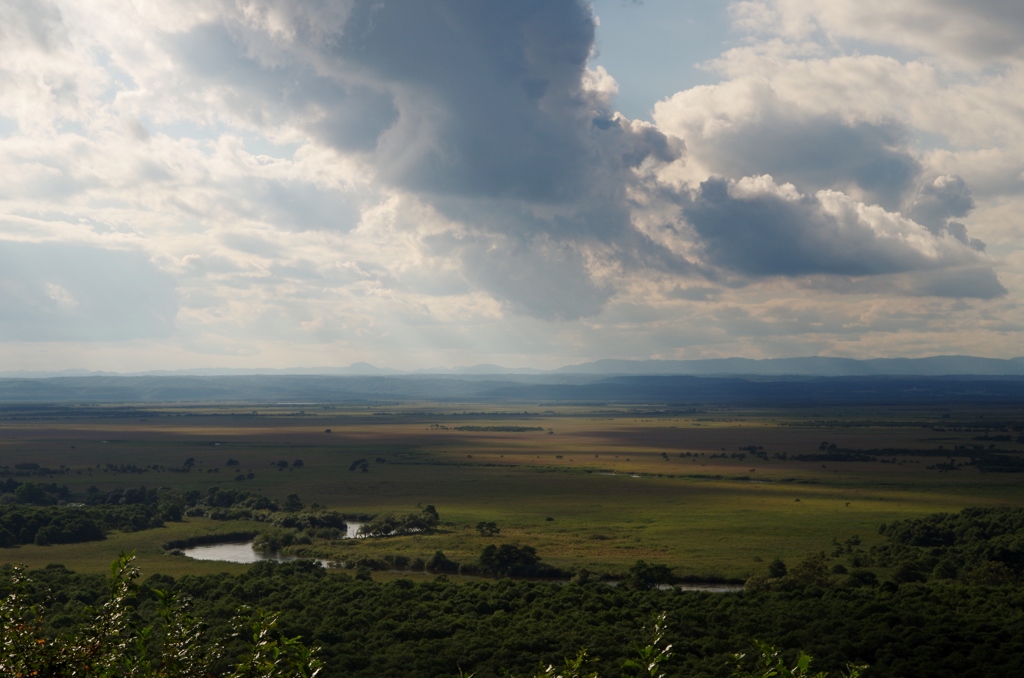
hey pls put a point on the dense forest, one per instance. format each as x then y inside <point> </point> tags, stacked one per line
<point>942,597</point>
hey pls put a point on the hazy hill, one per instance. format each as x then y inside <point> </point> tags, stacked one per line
<point>813,366</point>
<point>671,390</point>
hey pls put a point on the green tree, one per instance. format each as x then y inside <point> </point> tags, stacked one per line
<point>30,493</point>
<point>487,529</point>
<point>508,559</point>
<point>439,562</point>
<point>777,569</point>
<point>644,576</point>
<point>292,503</point>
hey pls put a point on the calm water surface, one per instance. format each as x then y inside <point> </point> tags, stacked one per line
<point>242,552</point>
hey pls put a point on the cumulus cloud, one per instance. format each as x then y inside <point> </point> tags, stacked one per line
<point>815,152</point>
<point>757,227</point>
<point>938,202</point>
<point>797,169</point>
<point>335,173</point>
<point>517,144</point>
<point>491,100</point>
<point>489,111</point>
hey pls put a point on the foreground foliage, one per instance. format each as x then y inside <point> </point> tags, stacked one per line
<point>116,642</point>
<point>437,628</point>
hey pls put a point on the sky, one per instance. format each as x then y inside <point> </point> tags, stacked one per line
<point>296,183</point>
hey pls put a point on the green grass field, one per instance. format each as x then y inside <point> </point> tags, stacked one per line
<point>611,480</point>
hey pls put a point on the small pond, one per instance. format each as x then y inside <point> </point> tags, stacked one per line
<point>711,588</point>
<point>237,552</point>
<point>243,552</point>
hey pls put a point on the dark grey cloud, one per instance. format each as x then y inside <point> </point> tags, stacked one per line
<point>977,282</point>
<point>456,98</point>
<point>348,116</point>
<point>496,86</point>
<point>820,152</point>
<point>66,292</point>
<point>547,280</point>
<point>955,282</point>
<point>766,234</point>
<point>870,179</point>
<point>479,108</point>
<point>496,127</point>
<point>490,100</point>
<point>769,232</point>
<point>941,200</point>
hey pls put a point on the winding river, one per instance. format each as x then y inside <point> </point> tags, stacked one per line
<point>243,552</point>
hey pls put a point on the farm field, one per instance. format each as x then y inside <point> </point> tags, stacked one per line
<point>711,493</point>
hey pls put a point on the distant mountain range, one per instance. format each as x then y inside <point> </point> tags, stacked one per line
<point>772,367</point>
<point>668,391</point>
<point>935,366</point>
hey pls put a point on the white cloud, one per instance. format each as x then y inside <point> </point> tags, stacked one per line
<point>974,33</point>
<point>909,150</point>
<point>366,181</point>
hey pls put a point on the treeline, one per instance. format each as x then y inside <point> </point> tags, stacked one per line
<point>135,509</point>
<point>986,460</point>
<point>46,525</point>
<point>40,494</point>
<point>499,429</point>
<point>299,529</point>
<point>507,560</point>
<point>307,527</point>
<point>976,545</point>
<point>394,524</point>
<point>38,519</point>
<point>31,469</point>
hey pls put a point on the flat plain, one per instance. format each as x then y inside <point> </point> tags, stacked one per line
<point>711,492</point>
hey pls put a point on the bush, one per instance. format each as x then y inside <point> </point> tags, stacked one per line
<point>440,563</point>
<point>487,529</point>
